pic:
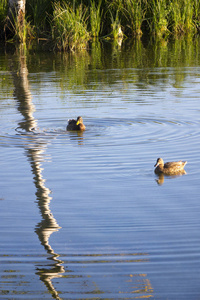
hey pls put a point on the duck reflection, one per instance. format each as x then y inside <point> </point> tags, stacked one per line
<point>77,136</point>
<point>161,177</point>
<point>35,148</point>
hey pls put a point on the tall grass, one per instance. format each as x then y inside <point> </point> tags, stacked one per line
<point>3,10</point>
<point>3,14</point>
<point>116,30</point>
<point>134,13</point>
<point>39,12</point>
<point>95,18</point>
<point>69,26</point>
<point>158,23</point>
<point>197,13</point>
<point>20,28</point>
<point>182,12</point>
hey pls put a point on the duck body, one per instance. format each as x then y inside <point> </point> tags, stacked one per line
<point>170,168</point>
<point>76,124</point>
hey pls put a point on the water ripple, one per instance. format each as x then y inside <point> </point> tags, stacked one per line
<point>110,131</point>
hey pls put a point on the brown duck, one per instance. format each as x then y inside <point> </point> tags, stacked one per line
<point>170,168</point>
<point>76,124</point>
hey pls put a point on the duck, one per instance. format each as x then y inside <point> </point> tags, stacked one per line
<point>76,124</point>
<point>170,168</point>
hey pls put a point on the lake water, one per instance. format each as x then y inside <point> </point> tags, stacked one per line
<point>82,215</point>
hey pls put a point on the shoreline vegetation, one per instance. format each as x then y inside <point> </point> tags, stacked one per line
<point>70,25</point>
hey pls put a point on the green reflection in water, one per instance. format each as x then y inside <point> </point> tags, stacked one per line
<point>134,60</point>
<point>73,68</point>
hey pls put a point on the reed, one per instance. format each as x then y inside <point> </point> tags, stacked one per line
<point>95,18</point>
<point>3,10</point>
<point>3,14</point>
<point>181,15</point>
<point>197,14</point>
<point>69,28</point>
<point>70,24</point>
<point>21,29</point>
<point>158,21</point>
<point>39,12</point>
<point>116,29</point>
<point>134,13</point>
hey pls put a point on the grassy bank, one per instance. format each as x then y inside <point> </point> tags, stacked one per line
<point>71,24</point>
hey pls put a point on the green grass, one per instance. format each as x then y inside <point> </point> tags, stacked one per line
<point>181,14</point>
<point>95,18</point>
<point>39,12</point>
<point>3,10</point>
<point>116,30</point>
<point>21,30</point>
<point>71,24</point>
<point>134,16</point>
<point>158,22</point>
<point>3,15</point>
<point>196,15</point>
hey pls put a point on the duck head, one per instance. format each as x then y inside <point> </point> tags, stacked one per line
<point>79,120</point>
<point>159,162</point>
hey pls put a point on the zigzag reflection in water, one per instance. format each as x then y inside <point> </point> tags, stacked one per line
<point>48,224</point>
<point>34,149</point>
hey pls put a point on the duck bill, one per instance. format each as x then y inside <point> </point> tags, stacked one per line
<point>77,123</point>
<point>156,165</point>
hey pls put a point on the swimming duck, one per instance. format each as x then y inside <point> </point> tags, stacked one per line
<point>76,124</point>
<point>170,168</point>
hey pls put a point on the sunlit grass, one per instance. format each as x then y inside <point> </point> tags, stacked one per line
<point>135,15</point>
<point>197,14</point>
<point>181,16</point>
<point>21,28</point>
<point>71,24</point>
<point>95,18</point>
<point>158,23</point>
<point>3,10</point>
<point>116,30</point>
<point>69,27</point>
